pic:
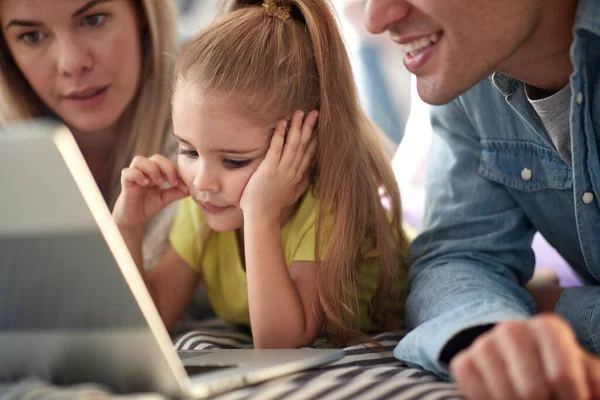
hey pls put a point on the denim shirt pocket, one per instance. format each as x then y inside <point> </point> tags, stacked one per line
<point>524,166</point>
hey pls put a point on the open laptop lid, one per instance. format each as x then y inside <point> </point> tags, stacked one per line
<point>54,232</point>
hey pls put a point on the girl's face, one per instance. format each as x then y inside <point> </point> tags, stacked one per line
<point>81,57</point>
<point>219,151</point>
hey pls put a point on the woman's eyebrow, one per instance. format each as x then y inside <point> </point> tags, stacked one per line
<point>87,6</point>
<point>22,22</point>
<point>79,11</point>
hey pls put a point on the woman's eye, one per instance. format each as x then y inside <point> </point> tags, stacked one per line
<point>32,37</point>
<point>229,163</point>
<point>93,20</point>
<point>188,153</point>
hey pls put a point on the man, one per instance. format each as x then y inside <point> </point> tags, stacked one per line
<point>516,126</point>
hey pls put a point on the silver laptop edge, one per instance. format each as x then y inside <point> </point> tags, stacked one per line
<point>125,346</point>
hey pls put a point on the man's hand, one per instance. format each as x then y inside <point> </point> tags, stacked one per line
<point>534,359</point>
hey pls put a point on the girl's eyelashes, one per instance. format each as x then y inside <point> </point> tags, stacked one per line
<point>229,163</point>
<point>188,153</point>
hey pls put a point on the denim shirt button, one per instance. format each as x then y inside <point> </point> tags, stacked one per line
<point>587,197</point>
<point>579,98</point>
<point>526,174</point>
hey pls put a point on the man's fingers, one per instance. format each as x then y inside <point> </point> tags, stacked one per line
<point>518,345</point>
<point>592,367</point>
<point>491,364</point>
<point>467,376</point>
<point>561,357</point>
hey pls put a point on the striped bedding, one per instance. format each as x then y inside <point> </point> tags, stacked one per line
<point>364,373</point>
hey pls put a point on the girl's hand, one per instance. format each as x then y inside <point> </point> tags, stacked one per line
<point>281,178</point>
<point>142,196</point>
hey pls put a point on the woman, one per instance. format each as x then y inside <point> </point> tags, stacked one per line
<point>103,68</point>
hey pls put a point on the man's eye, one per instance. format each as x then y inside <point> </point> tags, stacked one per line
<point>93,20</point>
<point>32,37</point>
<point>229,163</point>
<point>188,153</point>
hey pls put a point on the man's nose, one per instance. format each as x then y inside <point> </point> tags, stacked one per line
<point>381,14</point>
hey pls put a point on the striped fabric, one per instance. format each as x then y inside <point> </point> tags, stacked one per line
<point>366,372</point>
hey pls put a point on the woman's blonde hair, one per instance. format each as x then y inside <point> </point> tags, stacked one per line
<point>272,59</point>
<point>146,120</point>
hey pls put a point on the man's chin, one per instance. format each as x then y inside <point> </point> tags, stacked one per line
<point>436,94</point>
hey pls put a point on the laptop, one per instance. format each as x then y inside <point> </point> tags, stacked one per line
<point>73,307</point>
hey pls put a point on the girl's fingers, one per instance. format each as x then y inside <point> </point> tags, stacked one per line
<point>276,148</point>
<point>309,125</point>
<point>133,175</point>
<point>292,149</point>
<point>305,139</point>
<point>167,169</point>
<point>149,168</point>
<point>308,157</point>
<point>172,194</point>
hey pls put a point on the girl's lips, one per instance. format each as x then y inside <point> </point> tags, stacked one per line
<point>211,208</point>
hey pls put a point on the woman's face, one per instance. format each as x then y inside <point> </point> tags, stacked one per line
<point>82,57</point>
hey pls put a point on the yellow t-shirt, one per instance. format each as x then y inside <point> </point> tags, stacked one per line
<point>223,272</point>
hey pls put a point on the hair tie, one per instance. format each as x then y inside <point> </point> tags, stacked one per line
<point>275,11</point>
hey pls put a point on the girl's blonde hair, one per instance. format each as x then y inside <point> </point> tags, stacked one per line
<point>146,120</point>
<point>268,66</point>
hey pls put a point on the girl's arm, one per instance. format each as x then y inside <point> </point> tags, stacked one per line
<point>284,309</point>
<point>171,283</point>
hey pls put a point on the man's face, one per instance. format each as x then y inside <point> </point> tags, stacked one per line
<point>450,45</point>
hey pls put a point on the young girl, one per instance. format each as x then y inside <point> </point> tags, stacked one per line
<point>284,222</point>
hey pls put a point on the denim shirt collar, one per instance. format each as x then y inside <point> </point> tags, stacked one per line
<point>588,16</point>
<point>505,84</point>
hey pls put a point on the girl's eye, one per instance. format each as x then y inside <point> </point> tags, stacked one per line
<point>229,163</point>
<point>188,153</point>
<point>32,37</point>
<point>93,20</point>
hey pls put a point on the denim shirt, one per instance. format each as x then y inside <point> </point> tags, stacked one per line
<point>494,179</point>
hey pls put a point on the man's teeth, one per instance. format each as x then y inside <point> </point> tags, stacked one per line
<point>415,47</point>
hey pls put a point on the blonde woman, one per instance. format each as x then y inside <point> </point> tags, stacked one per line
<point>101,67</point>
